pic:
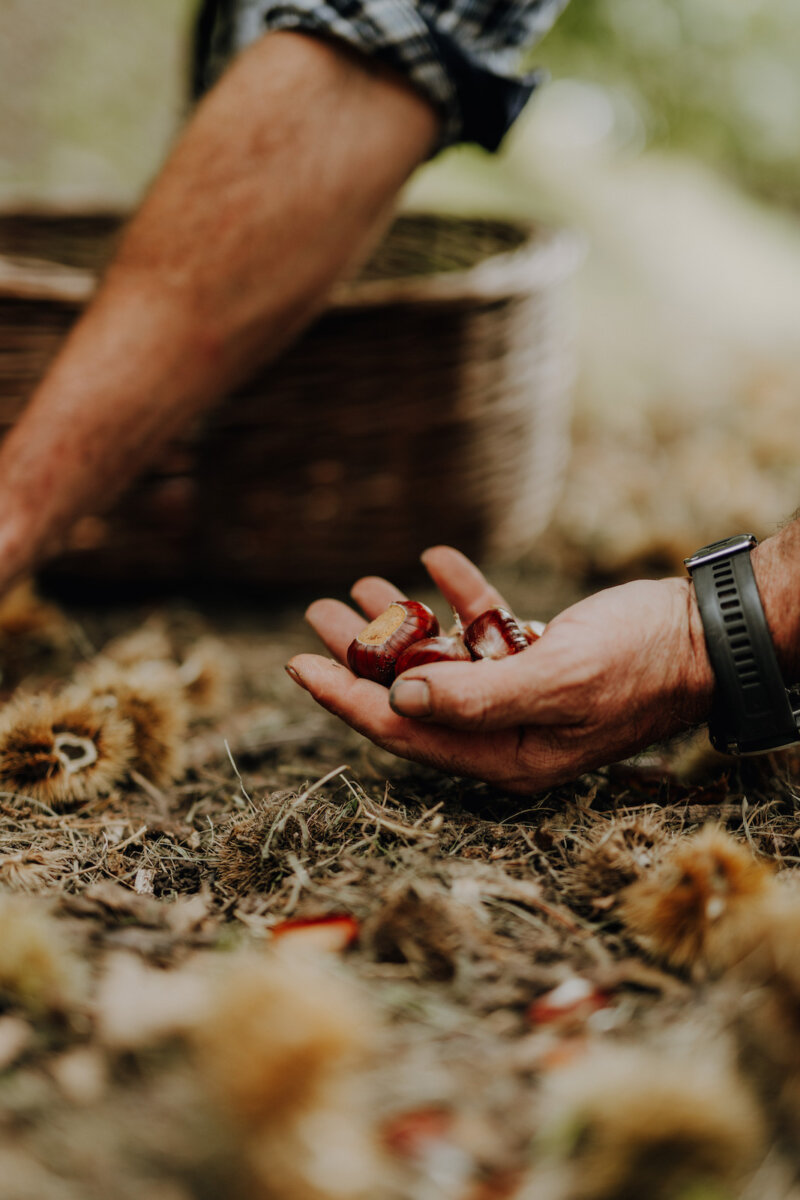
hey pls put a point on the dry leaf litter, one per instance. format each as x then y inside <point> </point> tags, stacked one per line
<point>244,954</point>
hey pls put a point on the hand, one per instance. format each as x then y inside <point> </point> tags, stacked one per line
<point>610,675</point>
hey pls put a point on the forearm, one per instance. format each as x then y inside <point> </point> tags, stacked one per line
<point>277,188</point>
<point>776,562</point>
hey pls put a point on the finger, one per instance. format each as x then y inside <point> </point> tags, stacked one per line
<point>336,624</point>
<point>492,694</point>
<point>365,706</point>
<point>374,594</point>
<point>460,582</point>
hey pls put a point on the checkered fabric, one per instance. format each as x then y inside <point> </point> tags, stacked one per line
<point>464,55</point>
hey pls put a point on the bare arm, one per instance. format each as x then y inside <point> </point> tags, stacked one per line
<point>776,563</point>
<point>280,183</point>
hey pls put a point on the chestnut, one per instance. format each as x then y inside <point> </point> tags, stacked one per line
<point>433,649</point>
<point>374,653</point>
<point>496,633</point>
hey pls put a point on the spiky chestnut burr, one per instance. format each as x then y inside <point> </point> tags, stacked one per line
<point>699,909</point>
<point>433,649</point>
<point>496,633</point>
<point>374,653</point>
<point>61,752</point>
<point>150,696</point>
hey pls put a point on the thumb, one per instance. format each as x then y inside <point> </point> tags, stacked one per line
<point>490,694</point>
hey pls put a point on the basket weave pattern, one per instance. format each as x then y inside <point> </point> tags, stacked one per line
<point>419,408</point>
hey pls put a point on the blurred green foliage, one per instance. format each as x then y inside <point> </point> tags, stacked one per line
<point>719,78</point>
<point>93,90</point>
<point>92,94</point>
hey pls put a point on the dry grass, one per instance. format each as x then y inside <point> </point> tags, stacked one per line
<point>470,905</point>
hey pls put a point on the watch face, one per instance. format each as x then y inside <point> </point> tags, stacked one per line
<point>723,549</point>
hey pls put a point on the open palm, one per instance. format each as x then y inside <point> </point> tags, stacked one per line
<point>610,675</point>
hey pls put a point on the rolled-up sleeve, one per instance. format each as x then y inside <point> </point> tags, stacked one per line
<point>466,56</point>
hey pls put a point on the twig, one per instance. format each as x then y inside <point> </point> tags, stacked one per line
<point>128,840</point>
<point>409,831</point>
<point>518,912</point>
<point>746,827</point>
<point>541,906</point>
<point>697,813</point>
<point>236,770</point>
<point>30,800</point>
<point>282,811</point>
<point>150,788</point>
<point>301,879</point>
<point>428,814</point>
<point>309,791</point>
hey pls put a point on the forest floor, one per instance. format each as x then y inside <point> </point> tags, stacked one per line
<point>561,998</point>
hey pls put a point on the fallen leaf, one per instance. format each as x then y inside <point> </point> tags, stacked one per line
<point>143,883</point>
<point>406,1133</point>
<point>332,933</point>
<point>573,1000</point>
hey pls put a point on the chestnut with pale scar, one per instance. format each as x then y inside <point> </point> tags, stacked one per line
<point>373,654</point>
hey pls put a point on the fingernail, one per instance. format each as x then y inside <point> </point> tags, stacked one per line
<point>294,674</point>
<point>411,698</point>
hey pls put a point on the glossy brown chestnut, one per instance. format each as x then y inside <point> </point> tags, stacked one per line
<point>533,630</point>
<point>374,653</point>
<point>496,633</point>
<point>433,649</point>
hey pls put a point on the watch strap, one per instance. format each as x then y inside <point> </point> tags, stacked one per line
<point>751,710</point>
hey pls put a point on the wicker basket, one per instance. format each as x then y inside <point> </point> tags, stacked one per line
<point>429,403</point>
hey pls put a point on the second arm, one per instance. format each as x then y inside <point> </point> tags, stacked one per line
<point>283,179</point>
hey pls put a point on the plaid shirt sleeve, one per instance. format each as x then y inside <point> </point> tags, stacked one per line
<point>466,56</point>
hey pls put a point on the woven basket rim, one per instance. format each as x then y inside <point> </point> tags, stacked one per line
<point>39,279</point>
<point>547,255</point>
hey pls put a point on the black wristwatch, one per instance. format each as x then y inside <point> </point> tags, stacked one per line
<point>752,710</point>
